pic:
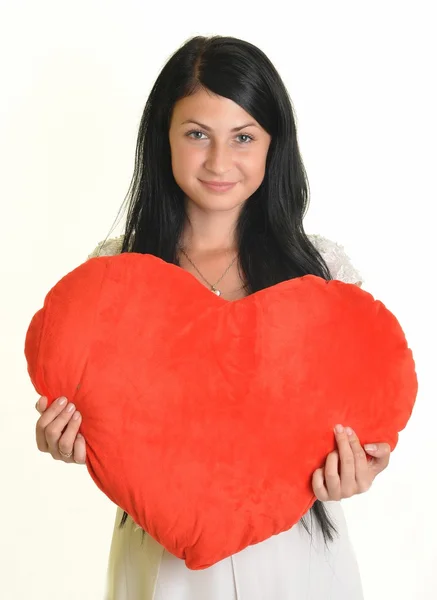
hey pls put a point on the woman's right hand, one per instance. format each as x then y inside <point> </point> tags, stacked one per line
<point>57,429</point>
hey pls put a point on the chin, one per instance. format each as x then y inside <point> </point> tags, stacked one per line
<point>217,204</point>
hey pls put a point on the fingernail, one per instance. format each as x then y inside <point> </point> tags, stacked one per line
<point>338,429</point>
<point>62,401</point>
<point>70,408</point>
<point>76,416</point>
<point>370,447</point>
<point>349,431</point>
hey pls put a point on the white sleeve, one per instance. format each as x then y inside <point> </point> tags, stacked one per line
<point>339,264</point>
<point>107,248</point>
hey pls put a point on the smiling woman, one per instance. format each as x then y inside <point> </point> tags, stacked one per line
<point>219,189</point>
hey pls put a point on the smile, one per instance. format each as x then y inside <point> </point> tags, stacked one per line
<point>218,187</point>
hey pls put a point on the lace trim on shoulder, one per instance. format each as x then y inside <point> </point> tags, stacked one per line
<point>108,248</point>
<point>335,256</point>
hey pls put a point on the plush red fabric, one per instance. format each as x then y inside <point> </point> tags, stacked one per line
<point>204,419</point>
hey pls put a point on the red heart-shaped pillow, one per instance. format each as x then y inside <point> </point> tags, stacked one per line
<point>205,419</point>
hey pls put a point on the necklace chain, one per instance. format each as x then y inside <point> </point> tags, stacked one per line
<point>212,286</point>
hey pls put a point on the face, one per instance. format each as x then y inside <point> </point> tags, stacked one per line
<point>209,143</point>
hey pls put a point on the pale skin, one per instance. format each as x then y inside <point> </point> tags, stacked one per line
<point>217,153</point>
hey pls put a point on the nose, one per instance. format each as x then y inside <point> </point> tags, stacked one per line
<point>219,159</point>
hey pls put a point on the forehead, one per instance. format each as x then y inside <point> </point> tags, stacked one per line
<point>210,109</point>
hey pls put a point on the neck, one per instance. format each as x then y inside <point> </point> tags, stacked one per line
<point>209,231</point>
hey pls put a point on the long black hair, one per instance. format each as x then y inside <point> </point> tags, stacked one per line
<point>273,246</point>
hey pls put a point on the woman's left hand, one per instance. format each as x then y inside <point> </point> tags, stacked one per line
<point>355,474</point>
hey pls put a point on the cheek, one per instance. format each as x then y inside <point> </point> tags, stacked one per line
<point>254,168</point>
<point>186,162</point>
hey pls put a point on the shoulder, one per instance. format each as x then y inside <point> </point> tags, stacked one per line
<point>338,261</point>
<point>108,247</point>
<point>339,264</point>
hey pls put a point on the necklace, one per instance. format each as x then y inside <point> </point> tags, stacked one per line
<point>213,287</point>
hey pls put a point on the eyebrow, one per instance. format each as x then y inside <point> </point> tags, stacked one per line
<point>209,128</point>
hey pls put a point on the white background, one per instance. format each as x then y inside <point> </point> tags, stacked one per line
<point>75,77</point>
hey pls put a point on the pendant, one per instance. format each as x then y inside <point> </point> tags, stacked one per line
<point>215,291</point>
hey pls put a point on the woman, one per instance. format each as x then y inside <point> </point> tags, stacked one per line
<point>219,189</point>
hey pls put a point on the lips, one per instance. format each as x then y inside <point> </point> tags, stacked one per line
<point>219,186</point>
<point>224,183</point>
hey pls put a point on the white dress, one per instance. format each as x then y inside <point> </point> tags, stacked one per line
<point>289,566</point>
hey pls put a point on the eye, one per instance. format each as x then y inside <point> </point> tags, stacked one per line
<point>190,133</point>
<point>246,136</point>
<point>241,135</point>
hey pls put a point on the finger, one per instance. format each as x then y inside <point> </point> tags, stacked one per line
<point>319,488</point>
<point>41,404</point>
<point>79,452</point>
<point>46,418</point>
<point>332,477</point>
<point>55,429</point>
<point>363,475</point>
<point>381,456</point>
<point>347,461</point>
<point>66,441</point>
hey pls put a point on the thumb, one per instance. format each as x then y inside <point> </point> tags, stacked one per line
<point>41,404</point>
<point>380,454</point>
<point>377,450</point>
